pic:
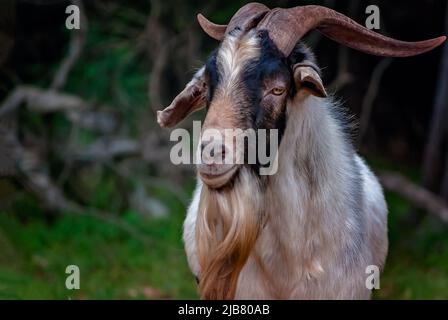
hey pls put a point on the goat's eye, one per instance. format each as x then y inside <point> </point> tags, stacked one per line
<point>278,91</point>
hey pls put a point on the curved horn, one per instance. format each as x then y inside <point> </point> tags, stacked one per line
<point>216,31</point>
<point>287,26</point>
<point>245,18</point>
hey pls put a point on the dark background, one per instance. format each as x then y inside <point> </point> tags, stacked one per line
<point>85,176</point>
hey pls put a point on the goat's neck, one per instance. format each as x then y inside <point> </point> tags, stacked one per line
<point>307,197</point>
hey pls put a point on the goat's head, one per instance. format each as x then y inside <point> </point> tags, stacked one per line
<point>259,67</point>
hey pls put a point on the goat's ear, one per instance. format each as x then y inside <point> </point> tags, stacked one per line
<point>192,98</point>
<point>306,76</point>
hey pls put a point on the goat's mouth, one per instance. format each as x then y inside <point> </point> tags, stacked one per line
<point>217,176</point>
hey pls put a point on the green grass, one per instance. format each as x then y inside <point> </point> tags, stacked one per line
<point>112,263</point>
<point>417,264</point>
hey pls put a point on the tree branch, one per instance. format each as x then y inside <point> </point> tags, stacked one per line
<point>105,149</point>
<point>415,194</point>
<point>75,108</point>
<point>369,98</point>
<point>76,45</point>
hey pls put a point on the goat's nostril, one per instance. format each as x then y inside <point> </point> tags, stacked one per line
<point>223,152</point>
<point>203,145</point>
<point>218,151</point>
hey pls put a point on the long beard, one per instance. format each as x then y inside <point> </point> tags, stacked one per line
<point>227,228</point>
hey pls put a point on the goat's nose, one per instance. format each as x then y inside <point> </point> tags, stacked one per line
<point>213,152</point>
<point>219,148</point>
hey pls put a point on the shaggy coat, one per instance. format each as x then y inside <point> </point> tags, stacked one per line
<point>324,217</point>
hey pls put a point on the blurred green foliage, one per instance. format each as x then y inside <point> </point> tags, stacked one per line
<point>417,263</point>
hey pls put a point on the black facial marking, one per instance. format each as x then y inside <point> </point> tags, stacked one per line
<point>270,63</point>
<point>301,53</point>
<point>212,75</point>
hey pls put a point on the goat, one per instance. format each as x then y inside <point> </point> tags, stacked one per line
<point>310,230</point>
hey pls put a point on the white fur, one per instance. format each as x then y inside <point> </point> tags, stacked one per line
<point>235,51</point>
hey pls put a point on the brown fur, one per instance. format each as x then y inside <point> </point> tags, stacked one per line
<point>227,228</point>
